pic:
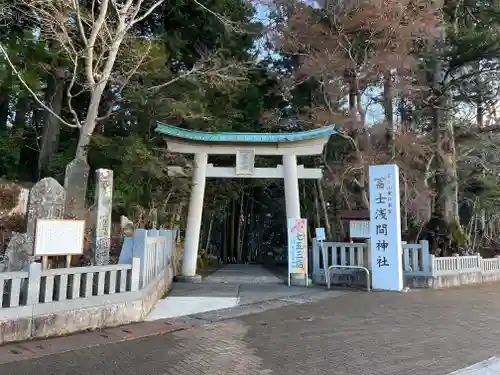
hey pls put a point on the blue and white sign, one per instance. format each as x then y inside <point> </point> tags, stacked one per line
<point>320,234</point>
<point>385,228</point>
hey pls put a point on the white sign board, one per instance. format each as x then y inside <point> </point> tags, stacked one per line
<point>320,234</point>
<point>245,160</point>
<point>59,237</point>
<point>297,248</point>
<point>359,229</point>
<point>385,228</point>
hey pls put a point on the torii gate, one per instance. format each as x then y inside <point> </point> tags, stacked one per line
<point>245,146</point>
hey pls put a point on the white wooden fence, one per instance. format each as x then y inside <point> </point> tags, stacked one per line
<point>37,286</point>
<point>464,264</point>
<point>415,256</point>
<point>66,288</point>
<point>416,260</point>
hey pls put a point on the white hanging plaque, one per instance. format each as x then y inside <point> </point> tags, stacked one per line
<point>245,160</point>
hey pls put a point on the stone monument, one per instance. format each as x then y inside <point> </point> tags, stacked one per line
<point>102,230</point>
<point>75,183</point>
<point>46,201</point>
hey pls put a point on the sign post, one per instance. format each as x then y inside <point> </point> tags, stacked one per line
<point>320,237</point>
<point>297,249</point>
<point>385,228</point>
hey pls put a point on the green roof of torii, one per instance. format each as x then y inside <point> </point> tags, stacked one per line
<point>197,135</point>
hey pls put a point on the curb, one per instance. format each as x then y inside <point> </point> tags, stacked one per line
<point>21,351</point>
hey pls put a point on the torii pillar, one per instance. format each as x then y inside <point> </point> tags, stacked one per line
<point>292,197</point>
<point>195,212</point>
<point>245,146</point>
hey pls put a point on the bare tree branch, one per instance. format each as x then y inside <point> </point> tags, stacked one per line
<point>94,41</point>
<point>125,82</point>
<point>79,22</point>
<point>32,93</point>
<point>230,25</point>
<point>147,12</point>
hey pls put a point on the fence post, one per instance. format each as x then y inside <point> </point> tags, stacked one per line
<point>432,265</point>
<point>369,255</point>
<point>135,275</point>
<point>406,258</point>
<point>456,258</point>
<point>156,254</point>
<point>170,245</point>
<point>176,240</point>
<point>480,262</point>
<point>139,251</point>
<point>425,255</point>
<point>498,262</point>
<point>165,253</point>
<point>34,282</point>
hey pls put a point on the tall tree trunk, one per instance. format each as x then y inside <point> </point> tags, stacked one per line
<point>18,128</point>
<point>30,148</point>
<point>209,234</point>
<point>98,88</point>
<point>49,142</point>
<point>388,108</point>
<point>241,227</point>
<point>225,236</point>
<point>328,228</point>
<point>446,206</point>
<point>359,136</point>
<point>22,109</point>
<point>4,108</point>
<point>232,231</point>
<point>403,113</point>
<point>251,234</point>
<point>317,214</point>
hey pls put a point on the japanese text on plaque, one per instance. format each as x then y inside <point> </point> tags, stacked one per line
<point>383,208</point>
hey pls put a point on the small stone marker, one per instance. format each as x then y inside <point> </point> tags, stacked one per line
<point>17,252</point>
<point>103,201</point>
<point>127,226</point>
<point>75,183</point>
<point>46,201</point>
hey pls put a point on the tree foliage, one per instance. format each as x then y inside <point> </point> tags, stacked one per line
<point>408,82</point>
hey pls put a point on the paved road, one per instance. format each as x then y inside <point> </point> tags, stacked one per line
<point>417,333</point>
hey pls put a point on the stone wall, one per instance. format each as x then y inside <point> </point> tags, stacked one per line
<point>358,278</point>
<point>450,281</point>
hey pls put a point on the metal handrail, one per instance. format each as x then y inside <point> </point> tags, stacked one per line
<point>357,267</point>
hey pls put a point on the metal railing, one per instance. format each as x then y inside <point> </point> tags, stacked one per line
<point>327,274</point>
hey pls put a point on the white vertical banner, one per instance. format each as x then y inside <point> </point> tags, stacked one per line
<point>385,228</point>
<point>297,248</point>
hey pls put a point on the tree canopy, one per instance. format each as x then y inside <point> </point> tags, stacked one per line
<point>409,82</point>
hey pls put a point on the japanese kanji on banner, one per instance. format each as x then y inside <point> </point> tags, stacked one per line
<point>385,228</point>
